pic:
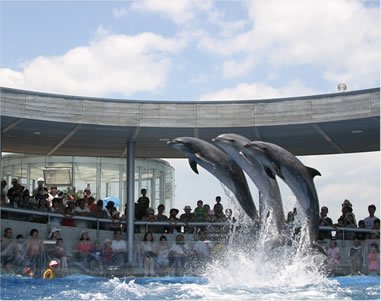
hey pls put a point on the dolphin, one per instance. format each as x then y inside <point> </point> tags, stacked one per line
<point>215,161</point>
<point>268,187</point>
<point>295,174</point>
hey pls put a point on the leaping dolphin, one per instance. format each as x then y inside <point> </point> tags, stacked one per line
<point>295,174</point>
<point>268,187</point>
<point>218,164</point>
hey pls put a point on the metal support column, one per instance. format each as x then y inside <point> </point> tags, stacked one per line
<point>130,199</point>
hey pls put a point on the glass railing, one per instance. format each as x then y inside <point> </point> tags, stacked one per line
<point>148,258</point>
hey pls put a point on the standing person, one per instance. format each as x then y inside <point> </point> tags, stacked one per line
<point>187,217</point>
<point>333,260</point>
<point>35,251</point>
<point>40,189</point>
<point>15,190</point>
<point>325,221</point>
<point>200,214</point>
<point>346,220</point>
<point>218,206</point>
<point>371,218</point>
<point>161,217</point>
<point>3,194</point>
<point>53,193</point>
<point>173,221</point>
<point>81,210</point>
<point>374,259</point>
<point>142,204</point>
<point>355,253</point>
<point>59,253</point>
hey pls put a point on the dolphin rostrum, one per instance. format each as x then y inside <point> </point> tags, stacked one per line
<point>295,174</point>
<point>267,186</point>
<point>218,164</point>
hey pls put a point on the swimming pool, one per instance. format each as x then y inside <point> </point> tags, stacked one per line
<point>82,287</point>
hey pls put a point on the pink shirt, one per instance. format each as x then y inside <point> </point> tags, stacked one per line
<point>374,262</point>
<point>334,254</point>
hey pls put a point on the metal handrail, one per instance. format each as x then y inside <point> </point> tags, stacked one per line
<point>165,223</point>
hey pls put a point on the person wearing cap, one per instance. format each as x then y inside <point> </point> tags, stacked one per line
<point>50,272</point>
<point>107,252</point>
<point>187,217</point>
<point>40,189</point>
<point>346,220</point>
<point>84,247</point>
<point>54,233</point>
<point>58,253</point>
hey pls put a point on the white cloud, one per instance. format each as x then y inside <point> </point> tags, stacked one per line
<point>245,91</point>
<point>339,37</point>
<point>179,11</point>
<point>234,68</point>
<point>109,64</point>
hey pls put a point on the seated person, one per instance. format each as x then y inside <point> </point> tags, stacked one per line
<point>119,248</point>
<point>178,255</point>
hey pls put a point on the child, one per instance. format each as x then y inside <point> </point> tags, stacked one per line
<point>333,253</point>
<point>50,272</point>
<point>355,253</point>
<point>107,253</point>
<point>374,260</point>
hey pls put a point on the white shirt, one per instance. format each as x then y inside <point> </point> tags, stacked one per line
<point>119,245</point>
<point>202,248</point>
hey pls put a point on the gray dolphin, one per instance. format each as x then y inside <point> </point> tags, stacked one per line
<point>218,164</point>
<point>295,174</point>
<point>268,187</point>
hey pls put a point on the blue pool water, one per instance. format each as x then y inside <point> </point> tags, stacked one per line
<point>80,287</point>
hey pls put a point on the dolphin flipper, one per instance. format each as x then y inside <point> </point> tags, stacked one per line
<point>193,165</point>
<point>277,170</point>
<point>269,173</point>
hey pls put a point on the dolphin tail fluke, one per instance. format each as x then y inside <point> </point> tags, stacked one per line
<point>193,165</point>
<point>313,172</point>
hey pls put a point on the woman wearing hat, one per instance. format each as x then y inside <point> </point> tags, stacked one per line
<point>84,247</point>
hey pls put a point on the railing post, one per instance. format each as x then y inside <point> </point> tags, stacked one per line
<point>130,199</point>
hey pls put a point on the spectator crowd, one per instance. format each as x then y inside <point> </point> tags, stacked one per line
<point>157,258</point>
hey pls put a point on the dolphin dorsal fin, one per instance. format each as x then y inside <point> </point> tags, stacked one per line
<point>193,165</point>
<point>313,172</point>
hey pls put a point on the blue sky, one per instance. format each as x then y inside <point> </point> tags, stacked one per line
<point>203,50</point>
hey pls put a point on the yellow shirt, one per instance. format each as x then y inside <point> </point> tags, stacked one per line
<point>49,274</point>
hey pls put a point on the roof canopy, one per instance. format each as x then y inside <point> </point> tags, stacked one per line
<point>51,124</point>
